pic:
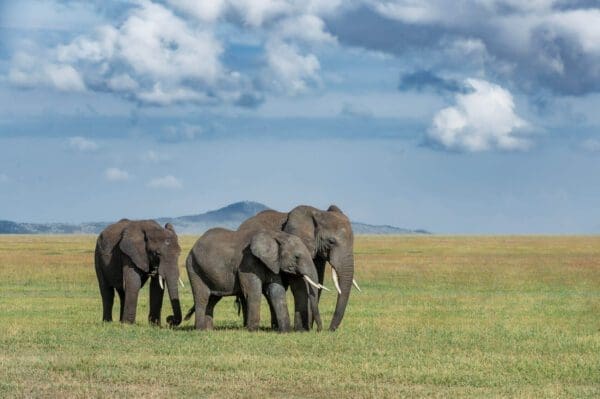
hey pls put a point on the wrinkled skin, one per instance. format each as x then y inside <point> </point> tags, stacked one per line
<point>128,253</point>
<point>247,265</point>
<point>328,235</point>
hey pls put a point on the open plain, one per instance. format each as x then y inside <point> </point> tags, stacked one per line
<point>513,316</point>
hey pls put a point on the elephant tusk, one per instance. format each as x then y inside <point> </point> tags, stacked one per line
<point>323,287</point>
<point>335,280</point>
<point>356,285</point>
<point>183,286</point>
<point>309,281</point>
<point>160,282</point>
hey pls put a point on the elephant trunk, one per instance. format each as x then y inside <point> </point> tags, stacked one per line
<point>172,280</point>
<point>313,299</point>
<point>345,273</point>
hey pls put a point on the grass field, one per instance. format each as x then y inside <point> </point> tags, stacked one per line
<point>438,317</point>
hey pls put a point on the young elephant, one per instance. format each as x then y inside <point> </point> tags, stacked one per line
<point>248,264</point>
<point>127,254</point>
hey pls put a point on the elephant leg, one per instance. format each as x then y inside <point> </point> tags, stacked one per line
<point>278,305</point>
<point>274,321</point>
<point>201,293</point>
<point>108,295</point>
<point>253,294</point>
<point>243,305</point>
<point>156,300</point>
<point>302,314</point>
<point>210,307</point>
<point>121,293</point>
<point>132,282</point>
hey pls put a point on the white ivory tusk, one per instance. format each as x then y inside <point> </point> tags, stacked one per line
<point>356,285</point>
<point>309,281</point>
<point>183,286</point>
<point>323,287</point>
<point>335,281</point>
<point>160,282</point>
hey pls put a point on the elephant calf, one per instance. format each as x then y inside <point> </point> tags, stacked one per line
<point>248,264</point>
<point>127,254</point>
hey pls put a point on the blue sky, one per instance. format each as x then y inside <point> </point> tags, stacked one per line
<point>457,117</point>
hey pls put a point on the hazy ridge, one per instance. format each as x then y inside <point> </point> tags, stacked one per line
<point>230,216</point>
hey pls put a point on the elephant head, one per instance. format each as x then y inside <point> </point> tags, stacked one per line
<point>328,235</point>
<point>155,250</point>
<point>283,252</point>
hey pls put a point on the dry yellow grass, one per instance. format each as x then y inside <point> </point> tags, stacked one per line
<point>438,317</point>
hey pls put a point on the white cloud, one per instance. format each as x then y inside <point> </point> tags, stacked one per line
<point>116,174</point>
<point>292,71</point>
<point>206,11</point>
<point>155,157</point>
<point>82,144</point>
<point>309,28</point>
<point>256,12</point>
<point>481,120</point>
<point>4,178</point>
<point>168,182</point>
<point>30,71</point>
<point>154,56</point>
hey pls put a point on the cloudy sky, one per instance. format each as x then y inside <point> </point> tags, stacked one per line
<point>474,116</point>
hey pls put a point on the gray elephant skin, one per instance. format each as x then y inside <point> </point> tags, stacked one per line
<point>247,265</point>
<point>328,236</point>
<point>127,254</point>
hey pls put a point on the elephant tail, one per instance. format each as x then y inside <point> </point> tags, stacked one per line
<point>189,313</point>
<point>238,305</point>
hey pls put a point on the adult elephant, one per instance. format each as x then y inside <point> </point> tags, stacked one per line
<point>249,264</point>
<point>328,236</point>
<point>127,254</point>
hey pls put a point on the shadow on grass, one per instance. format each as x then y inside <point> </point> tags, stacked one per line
<point>226,326</point>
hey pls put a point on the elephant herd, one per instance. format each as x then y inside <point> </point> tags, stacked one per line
<point>268,253</point>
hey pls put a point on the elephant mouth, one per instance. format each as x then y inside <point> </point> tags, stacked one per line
<point>316,285</point>
<point>161,282</point>
<point>336,282</point>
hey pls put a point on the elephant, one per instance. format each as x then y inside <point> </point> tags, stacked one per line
<point>127,254</point>
<point>328,236</point>
<point>247,265</point>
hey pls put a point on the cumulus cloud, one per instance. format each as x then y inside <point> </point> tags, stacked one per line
<point>481,120</point>
<point>542,44</point>
<point>308,28</point>
<point>166,182</point>
<point>116,174</point>
<point>28,71</point>
<point>293,72</point>
<point>163,53</point>
<point>82,144</point>
<point>153,57</point>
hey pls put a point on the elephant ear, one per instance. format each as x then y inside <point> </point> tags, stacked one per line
<point>133,244</point>
<point>302,223</point>
<point>266,248</point>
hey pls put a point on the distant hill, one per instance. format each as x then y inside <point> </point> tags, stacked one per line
<point>229,217</point>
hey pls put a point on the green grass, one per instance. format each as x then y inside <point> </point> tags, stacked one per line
<point>438,317</point>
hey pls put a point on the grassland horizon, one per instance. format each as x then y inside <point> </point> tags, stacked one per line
<point>439,316</point>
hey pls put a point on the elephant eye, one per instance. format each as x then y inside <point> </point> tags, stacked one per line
<point>331,240</point>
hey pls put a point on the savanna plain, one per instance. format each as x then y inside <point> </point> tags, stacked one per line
<point>438,317</point>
